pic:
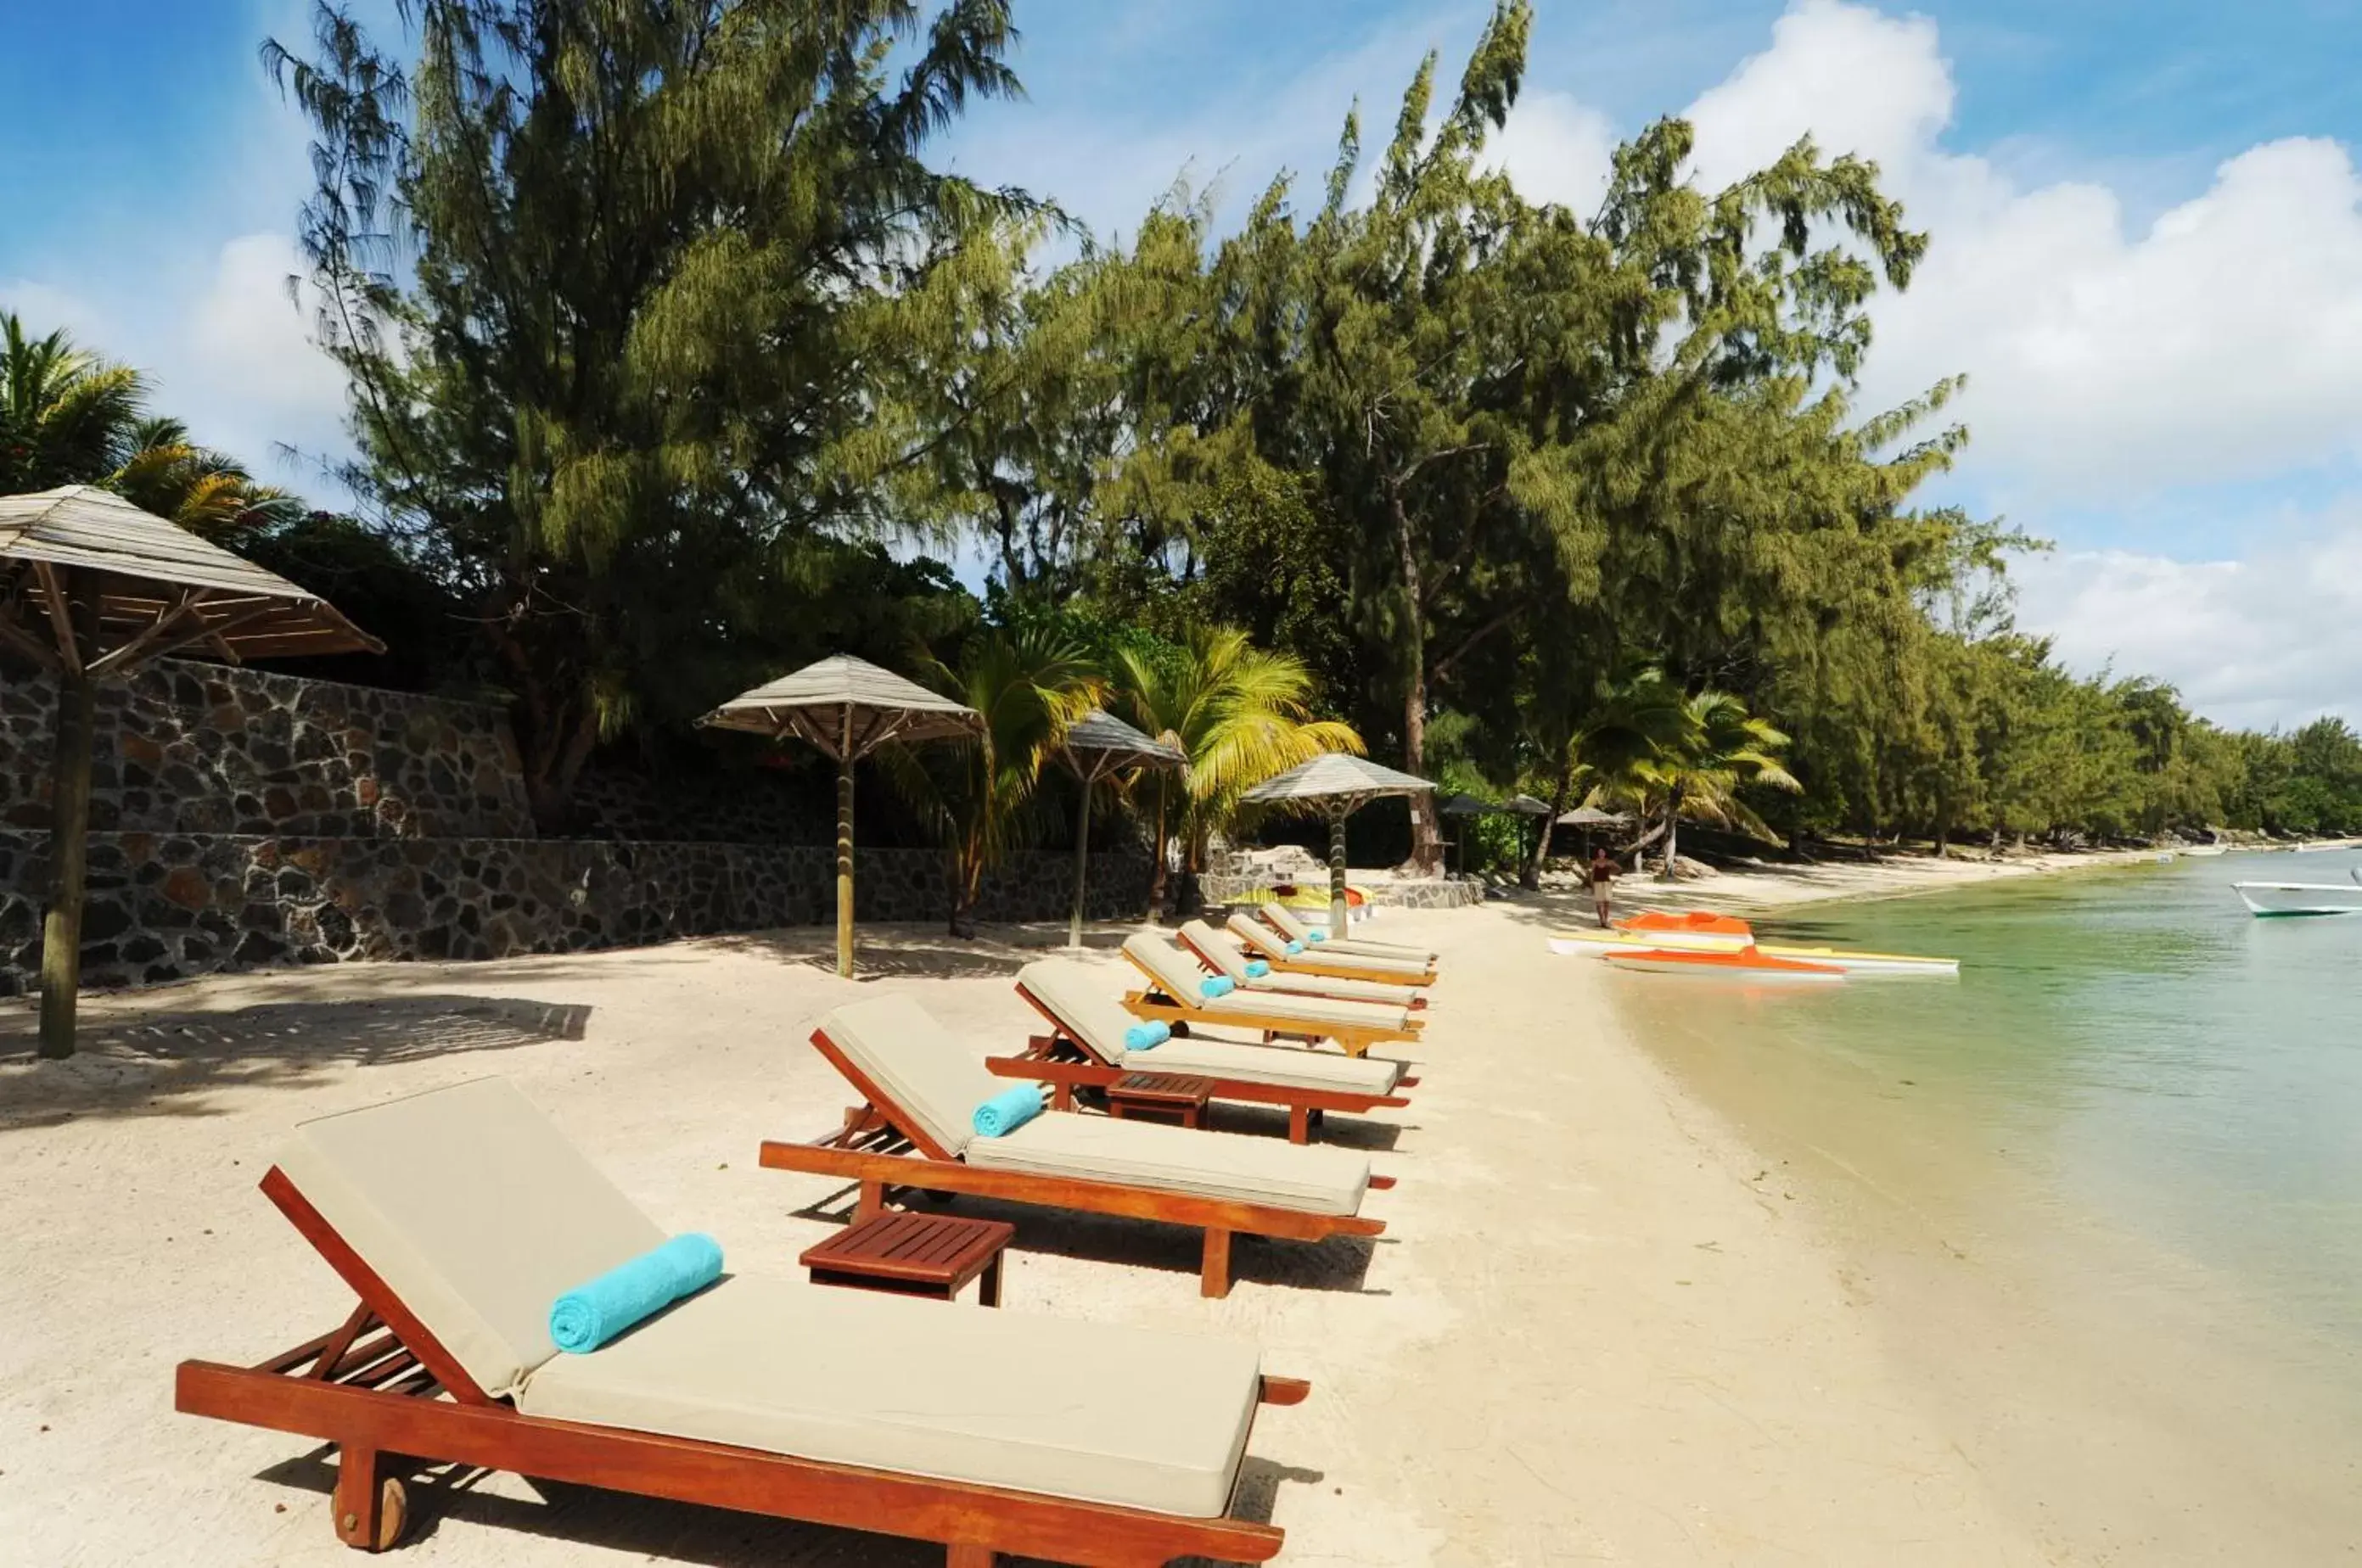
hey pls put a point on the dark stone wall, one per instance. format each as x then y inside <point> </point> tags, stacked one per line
<point>169,907</point>
<point>208,749</point>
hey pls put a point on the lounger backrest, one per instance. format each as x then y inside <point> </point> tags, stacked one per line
<point>932,1075</point>
<point>1256,935</point>
<point>1079,997</point>
<point>1175,974</point>
<point>475,1211</point>
<point>1216,950</point>
<point>1287,920</point>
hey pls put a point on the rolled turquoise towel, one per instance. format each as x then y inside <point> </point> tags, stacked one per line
<point>1146,1036</point>
<point>1215,985</point>
<point>591,1314</point>
<point>1257,969</point>
<point>1318,935</point>
<point>1007,1111</point>
<point>1293,948</point>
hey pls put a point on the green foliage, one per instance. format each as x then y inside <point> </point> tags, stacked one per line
<point>1029,684</point>
<point>655,256</point>
<point>1241,715</point>
<point>68,417</point>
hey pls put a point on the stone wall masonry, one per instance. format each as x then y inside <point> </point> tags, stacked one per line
<point>187,748</point>
<point>173,905</point>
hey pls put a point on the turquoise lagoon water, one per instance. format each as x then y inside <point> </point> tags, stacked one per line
<point>2127,1056</point>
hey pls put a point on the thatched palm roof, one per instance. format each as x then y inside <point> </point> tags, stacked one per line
<point>1336,776</point>
<point>847,708</point>
<point>148,587</point>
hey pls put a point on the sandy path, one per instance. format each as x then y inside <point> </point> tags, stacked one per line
<point>1591,1333</point>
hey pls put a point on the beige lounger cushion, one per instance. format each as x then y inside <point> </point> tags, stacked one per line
<point>1268,945</point>
<point>1177,976</point>
<point>927,1070</point>
<point>1316,1179</point>
<point>1084,1000</point>
<point>1287,1067</point>
<point>1095,1411</point>
<point>1078,996</point>
<point>474,1210</point>
<point>1221,949</point>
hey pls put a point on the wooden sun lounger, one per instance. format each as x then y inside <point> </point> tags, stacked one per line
<point>1066,1061</point>
<point>1340,965</point>
<point>882,1146</point>
<point>1282,982</point>
<point>1294,927</point>
<point>1156,1004</point>
<point>389,1395</point>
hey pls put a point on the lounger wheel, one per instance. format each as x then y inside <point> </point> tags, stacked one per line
<point>392,1518</point>
<point>1180,1028</point>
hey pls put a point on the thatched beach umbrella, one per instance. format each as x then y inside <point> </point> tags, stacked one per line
<point>92,588</point>
<point>1098,744</point>
<point>848,707</point>
<point>1340,784</point>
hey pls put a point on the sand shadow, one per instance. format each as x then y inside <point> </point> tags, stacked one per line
<point>925,952</point>
<point>659,1529</point>
<point>1338,1263</point>
<point>152,1063</point>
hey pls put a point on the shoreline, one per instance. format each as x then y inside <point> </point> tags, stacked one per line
<point>1765,885</point>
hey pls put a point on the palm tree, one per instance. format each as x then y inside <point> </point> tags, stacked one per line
<point>204,491</point>
<point>1617,752</point>
<point>1692,756</point>
<point>70,418</point>
<point>1239,713</point>
<point>66,417</point>
<point>1029,684</point>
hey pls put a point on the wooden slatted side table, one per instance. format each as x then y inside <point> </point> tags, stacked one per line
<point>914,1254</point>
<point>1172,1097</point>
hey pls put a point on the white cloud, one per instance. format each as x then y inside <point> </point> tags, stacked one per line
<point>1557,149</point>
<point>2273,639</point>
<point>2225,342</point>
<point>247,339</point>
<point>223,346</point>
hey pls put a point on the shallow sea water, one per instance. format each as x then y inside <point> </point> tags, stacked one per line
<point>2111,1176</point>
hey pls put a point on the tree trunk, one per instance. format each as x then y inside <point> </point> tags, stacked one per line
<point>1425,842</point>
<point>1160,876</point>
<point>69,847</point>
<point>1532,878</point>
<point>1672,829</point>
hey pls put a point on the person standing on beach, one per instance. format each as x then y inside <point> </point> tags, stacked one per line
<point>1602,877</point>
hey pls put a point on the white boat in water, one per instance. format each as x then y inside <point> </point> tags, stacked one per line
<point>2302,897</point>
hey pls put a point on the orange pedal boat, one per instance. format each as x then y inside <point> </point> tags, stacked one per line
<point>1747,963</point>
<point>1689,922</point>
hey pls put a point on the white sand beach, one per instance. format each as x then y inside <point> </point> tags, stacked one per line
<point>1594,1331</point>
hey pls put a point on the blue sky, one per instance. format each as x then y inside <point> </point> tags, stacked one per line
<point>2147,226</point>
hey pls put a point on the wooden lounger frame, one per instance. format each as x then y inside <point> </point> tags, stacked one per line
<point>1308,989</point>
<point>1340,966</point>
<point>882,1146</point>
<point>386,1393</point>
<point>1154,1003</point>
<point>1066,1061</point>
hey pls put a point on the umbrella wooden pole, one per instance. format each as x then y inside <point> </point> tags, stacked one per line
<point>68,852</point>
<point>1082,860</point>
<point>1336,872</point>
<point>844,852</point>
